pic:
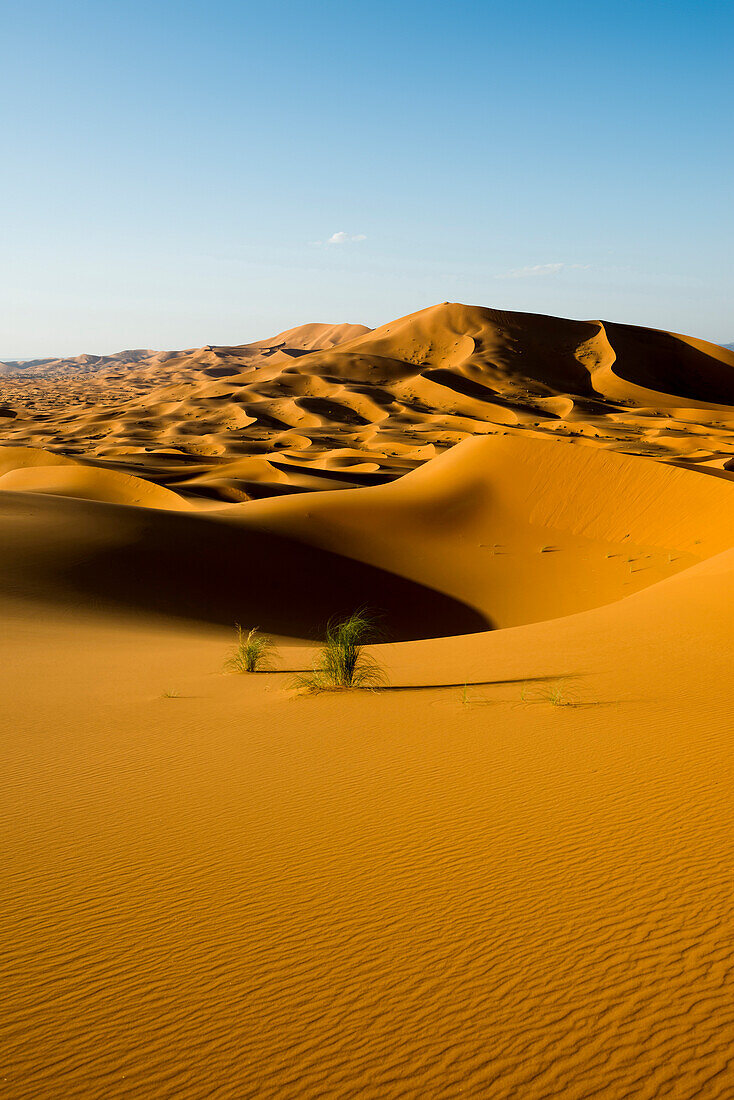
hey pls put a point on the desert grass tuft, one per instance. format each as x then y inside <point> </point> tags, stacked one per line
<point>254,652</point>
<point>171,693</point>
<point>342,663</point>
<point>557,694</point>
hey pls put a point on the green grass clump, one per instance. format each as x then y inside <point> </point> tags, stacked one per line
<point>254,652</point>
<point>342,663</point>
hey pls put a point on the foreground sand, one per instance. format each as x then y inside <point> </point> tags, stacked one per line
<point>241,893</point>
<point>215,887</point>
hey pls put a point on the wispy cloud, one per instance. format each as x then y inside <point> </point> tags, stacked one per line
<point>340,238</point>
<point>540,269</point>
<point>345,238</point>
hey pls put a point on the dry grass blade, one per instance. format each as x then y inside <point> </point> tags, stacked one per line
<point>254,652</point>
<point>557,694</point>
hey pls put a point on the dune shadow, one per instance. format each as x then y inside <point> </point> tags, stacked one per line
<point>467,684</point>
<point>344,476</point>
<point>211,570</point>
<point>332,411</point>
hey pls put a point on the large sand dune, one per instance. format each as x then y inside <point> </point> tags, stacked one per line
<point>329,406</point>
<point>447,888</point>
<point>499,531</point>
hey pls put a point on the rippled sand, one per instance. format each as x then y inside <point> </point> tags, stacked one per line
<point>239,893</point>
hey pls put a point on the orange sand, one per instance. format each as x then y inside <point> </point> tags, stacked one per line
<point>448,888</point>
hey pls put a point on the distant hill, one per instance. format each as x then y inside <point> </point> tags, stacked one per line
<point>79,364</point>
<point>293,342</point>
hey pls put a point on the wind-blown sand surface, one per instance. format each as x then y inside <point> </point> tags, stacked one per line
<point>447,888</point>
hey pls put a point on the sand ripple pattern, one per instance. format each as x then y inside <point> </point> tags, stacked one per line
<point>382,906</point>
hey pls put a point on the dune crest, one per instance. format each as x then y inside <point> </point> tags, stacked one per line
<point>89,483</point>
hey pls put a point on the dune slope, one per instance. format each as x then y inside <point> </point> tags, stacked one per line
<point>497,532</point>
<point>523,529</point>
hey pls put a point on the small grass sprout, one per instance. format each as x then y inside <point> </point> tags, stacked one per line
<point>342,664</point>
<point>254,652</point>
<point>557,694</point>
<point>171,693</point>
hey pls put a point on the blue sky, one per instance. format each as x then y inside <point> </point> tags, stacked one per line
<point>175,173</point>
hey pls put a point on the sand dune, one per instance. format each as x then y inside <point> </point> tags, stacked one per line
<point>111,559</point>
<point>385,400</point>
<point>499,531</point>
<point>447,888</point>
<point>89,483</point>
<point>520,529</point>
<point>26,368</point>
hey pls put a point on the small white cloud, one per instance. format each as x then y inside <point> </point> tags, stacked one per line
<point>540,269</point>
<point>345,238</point>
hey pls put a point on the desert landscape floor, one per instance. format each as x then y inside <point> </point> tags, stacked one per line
<point>507,873</point>
<point>425,891</point>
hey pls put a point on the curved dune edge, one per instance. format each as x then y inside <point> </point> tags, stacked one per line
<point>88,483</point>
<point>627,641</point>
<point>520,529</point>
<point>22,458</point>
<point>157,566</point>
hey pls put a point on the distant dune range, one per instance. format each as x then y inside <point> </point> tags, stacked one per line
<point>545,508</point>
<point>448,888</point>
<point>329,406</point>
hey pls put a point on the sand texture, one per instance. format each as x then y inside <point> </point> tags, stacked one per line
<point>217,887</point>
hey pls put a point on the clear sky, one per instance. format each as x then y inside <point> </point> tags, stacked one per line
<point>177,173</point>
